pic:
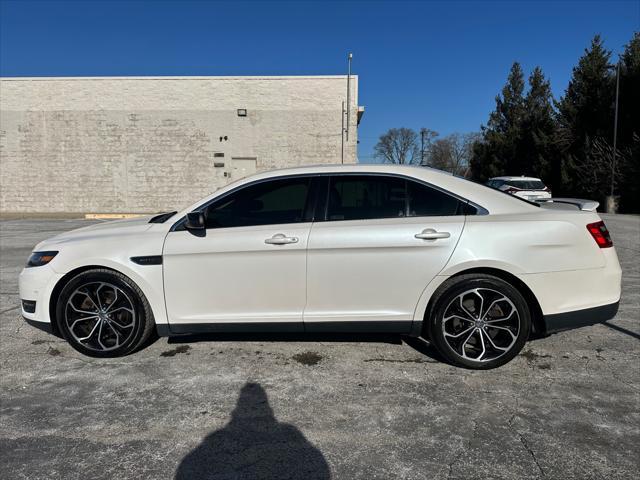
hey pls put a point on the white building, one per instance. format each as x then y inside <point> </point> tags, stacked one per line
<point>124,144</point>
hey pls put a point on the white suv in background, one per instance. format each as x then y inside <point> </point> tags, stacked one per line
<point>528,188</point>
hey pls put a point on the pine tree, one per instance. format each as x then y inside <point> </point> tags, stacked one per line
<point>537,148</point>
<point>496,154</point>
<point>586,118</point>
<point>628,144</point>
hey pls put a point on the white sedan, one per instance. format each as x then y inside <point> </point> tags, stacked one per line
<point>355,248</point>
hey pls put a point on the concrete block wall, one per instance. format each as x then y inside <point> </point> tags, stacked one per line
<point>143,145</point>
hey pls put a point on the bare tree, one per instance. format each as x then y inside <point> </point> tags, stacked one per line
<point>600,168</point>
<point>398,145</point>
<point>452,153</point>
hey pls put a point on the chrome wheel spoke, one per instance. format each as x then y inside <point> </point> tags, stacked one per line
<point>83,339</point>
<point>504,329</point>
<point>457,317</point>
<point>119,309</point>
<point>115,300</point>
<point>83,319</point>
<point>493,345</point>
<point>464,309</point>
<point>100,316</point>
<point>477,333</point>
<point>458,335</point>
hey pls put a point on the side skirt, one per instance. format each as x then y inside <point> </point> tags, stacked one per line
<point>403,327</point>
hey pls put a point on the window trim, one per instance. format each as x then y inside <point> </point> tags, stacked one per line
<point>324,218</point>
<point>309,209</point>
<point>321,193</point>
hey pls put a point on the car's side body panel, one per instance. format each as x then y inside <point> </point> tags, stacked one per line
<point>230,275</point>
<point>374,270</point>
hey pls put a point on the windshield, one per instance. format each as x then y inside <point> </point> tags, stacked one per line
<point>526,184</point>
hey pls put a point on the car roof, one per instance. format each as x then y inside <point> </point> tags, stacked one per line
<point>496,202</point>
<point>515,178</point>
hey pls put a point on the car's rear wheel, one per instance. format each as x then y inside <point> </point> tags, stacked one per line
<point>479,321</point>
<point>102,313</point>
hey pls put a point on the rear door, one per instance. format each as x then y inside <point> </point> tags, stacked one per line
<point>382,239</point>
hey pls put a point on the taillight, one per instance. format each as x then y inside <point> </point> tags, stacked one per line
<point>547,189</point>
<point>600,234</point>
<point>511,190</point>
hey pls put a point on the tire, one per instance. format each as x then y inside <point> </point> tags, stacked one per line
<point>103,313</point>
<point>478,321</point>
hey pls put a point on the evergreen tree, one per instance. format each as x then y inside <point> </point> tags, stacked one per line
<point>629,126</point>
<point>537,148</point>
<point>497,152</point>
<point>586,118</point>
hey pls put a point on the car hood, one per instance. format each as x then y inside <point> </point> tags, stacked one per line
<point>112,228</point>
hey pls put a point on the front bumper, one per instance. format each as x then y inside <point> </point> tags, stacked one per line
<point>580,318</point>
<point>36,285</point>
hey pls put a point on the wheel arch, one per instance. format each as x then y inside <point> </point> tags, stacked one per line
<point>64,280</point>
<point>537,318</point>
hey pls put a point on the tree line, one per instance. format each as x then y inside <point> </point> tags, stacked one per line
<point>566,142</point>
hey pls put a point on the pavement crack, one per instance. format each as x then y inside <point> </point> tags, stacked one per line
<point>525,444</point>
<point>9,309</point>
<point>462,449</point>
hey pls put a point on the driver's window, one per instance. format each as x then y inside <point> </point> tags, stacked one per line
<point>266,203</point>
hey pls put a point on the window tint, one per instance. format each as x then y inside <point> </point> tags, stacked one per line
<point>527,184</point>
<point>358,197</point>
<point>425,201</point>
<point>266,203</point>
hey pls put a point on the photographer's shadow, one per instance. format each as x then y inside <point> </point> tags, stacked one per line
<point>254,445</point>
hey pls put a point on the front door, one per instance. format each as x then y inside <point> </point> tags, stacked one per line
<point>249,267</point>
<point>383,240</point>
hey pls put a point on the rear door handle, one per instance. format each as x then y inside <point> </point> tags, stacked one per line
<point>431,234</point>
<point>281,239</point>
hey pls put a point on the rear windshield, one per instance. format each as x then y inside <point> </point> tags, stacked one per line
<point>526,184</point>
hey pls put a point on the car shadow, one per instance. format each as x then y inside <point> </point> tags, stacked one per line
<point>254,444</point>
<point>621,330</point>
<point>420,345</point>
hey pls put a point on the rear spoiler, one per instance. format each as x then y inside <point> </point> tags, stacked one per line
<point>569,203</point>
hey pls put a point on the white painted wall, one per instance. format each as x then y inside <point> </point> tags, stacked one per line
<point>149,144</point>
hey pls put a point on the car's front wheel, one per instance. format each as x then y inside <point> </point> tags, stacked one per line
<point>479,321</point>
<point>102,313</point>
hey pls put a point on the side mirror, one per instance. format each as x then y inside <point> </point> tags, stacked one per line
<point>195,222</point>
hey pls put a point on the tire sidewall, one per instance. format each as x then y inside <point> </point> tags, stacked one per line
<point>122,282</point>
<point>456,288</point>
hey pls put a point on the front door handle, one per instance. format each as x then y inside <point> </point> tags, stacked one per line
<point>281,239</point>
<point>431,234</point>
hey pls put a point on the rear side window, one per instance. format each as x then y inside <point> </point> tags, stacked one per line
<point>526,184</point>
<point>356,197</point>
<point>267,203</point>
<point>360,197</point>
<point>425,201</point>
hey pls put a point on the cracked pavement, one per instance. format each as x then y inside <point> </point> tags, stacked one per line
<point>295,406</point>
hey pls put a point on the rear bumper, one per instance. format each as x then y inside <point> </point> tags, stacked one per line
<point>580,318</point>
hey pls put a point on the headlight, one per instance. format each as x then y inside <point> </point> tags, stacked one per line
<point>37,259</point>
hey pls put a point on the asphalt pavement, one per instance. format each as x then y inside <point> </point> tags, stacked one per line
<point>294,406</point>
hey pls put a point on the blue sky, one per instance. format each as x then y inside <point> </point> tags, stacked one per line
<point>421,64</point>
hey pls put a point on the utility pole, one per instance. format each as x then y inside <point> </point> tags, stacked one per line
<point>349,58</point>
<point>342,135</point>
<point>422,132</point>
<point>615,133</point>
